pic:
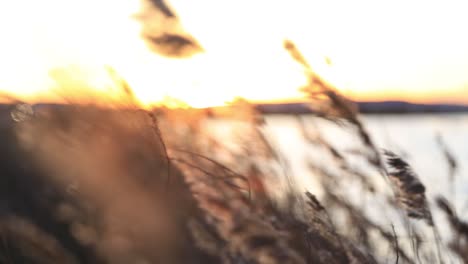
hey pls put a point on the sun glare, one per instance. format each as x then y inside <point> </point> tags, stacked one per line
<point>394,49</point>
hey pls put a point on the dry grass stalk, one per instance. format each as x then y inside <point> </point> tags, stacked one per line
<point>364,225</point>
<point>320,227</point>
<point>410,192</point>
<point>452,165</point>
<point>316,138</point>
<point>449,157</point>
<point>337,106</point>
<point>236,221</point>
<point>164,32</point>
<point>459,241</point>
<point>457,224</point>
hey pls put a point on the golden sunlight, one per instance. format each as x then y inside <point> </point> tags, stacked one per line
<point>371,51</point>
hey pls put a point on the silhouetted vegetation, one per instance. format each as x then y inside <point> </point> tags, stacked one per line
<point>113,183</point>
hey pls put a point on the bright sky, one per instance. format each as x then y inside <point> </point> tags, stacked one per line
<point>399,49</point>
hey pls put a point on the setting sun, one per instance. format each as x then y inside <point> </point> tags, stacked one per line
<point>370,51</point>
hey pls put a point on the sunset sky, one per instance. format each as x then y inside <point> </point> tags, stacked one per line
<point>370,50</point>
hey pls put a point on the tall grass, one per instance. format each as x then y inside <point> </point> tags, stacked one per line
<point>116,184</point>
<point>104,185</point>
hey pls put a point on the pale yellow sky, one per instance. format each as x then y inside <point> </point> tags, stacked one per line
<point>413,50</point>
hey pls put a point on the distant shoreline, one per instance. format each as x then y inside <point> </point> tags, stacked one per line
<point>384,107</point>
<point>297,108</point>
